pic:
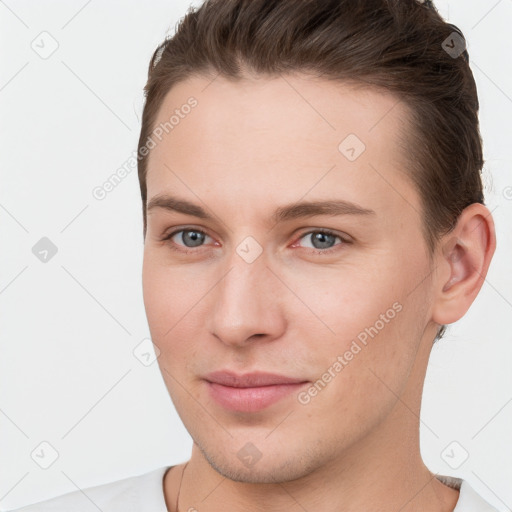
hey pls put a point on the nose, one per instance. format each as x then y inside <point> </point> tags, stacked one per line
<point>247,303</point>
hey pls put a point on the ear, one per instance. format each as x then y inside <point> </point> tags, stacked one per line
<point>462,262</point>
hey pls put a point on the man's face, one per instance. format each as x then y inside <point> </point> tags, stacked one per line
<point>350,309</point>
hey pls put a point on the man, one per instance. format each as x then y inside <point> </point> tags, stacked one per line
<point>313,219</point>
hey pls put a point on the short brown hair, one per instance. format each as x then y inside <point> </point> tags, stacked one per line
<point>396,45</point>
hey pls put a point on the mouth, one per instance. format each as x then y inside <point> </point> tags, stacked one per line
<point>250,392</point>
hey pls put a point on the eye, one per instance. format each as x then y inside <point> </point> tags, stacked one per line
<point>322,240</point>
<point>189,238</point>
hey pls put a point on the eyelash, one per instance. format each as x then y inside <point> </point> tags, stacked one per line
<point>172,245</point>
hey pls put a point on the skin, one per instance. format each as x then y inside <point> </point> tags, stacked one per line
<point>245,149</point>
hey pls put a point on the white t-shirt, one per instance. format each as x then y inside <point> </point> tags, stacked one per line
<point>144,493</point>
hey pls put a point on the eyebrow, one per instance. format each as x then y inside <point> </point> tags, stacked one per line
<point>281,214</point>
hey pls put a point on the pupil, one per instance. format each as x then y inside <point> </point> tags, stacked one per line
<point>321,238</point>
<point>195,239</point>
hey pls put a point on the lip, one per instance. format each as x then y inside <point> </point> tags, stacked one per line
<point>250,392</point>
<point>249,380</point>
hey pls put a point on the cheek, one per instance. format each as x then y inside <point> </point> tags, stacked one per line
<point>367,321</point>
<point>169,295</point>
<point>348,300</point>
<point>359,370</point>
<point>169,301</point>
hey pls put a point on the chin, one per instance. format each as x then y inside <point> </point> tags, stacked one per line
<point>281,467</point>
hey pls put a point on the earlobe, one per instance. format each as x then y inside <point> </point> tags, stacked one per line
<point>464,258</point>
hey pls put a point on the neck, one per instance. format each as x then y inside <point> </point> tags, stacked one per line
<point>377,474</point>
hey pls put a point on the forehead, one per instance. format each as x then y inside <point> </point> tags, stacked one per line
<point>275,135</point>
<point>310,108</point>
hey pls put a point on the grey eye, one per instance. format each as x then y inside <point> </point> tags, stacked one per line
<point>321,240</point>
<point>191,237</point>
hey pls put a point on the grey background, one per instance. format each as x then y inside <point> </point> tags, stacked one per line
<point>70,325</point>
